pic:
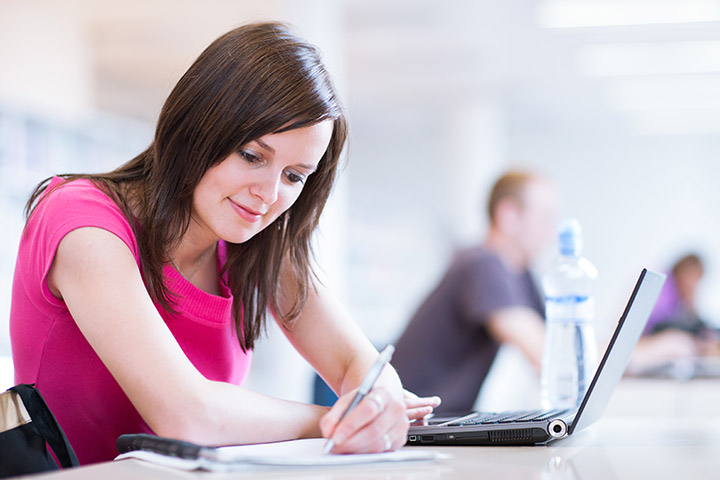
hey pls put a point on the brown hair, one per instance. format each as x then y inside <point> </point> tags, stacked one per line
<point>510,185</point>
<point>688,261</point>
<point>255,80</point>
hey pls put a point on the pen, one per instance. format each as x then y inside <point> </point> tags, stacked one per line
<point>365,386</point>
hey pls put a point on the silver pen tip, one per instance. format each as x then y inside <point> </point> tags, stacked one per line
<point>328,446</point>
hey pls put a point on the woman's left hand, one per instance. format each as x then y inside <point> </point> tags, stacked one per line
<point>419,407</point>
<point>378,423</point>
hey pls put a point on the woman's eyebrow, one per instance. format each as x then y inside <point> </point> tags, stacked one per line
<point>309,168</point>
<point>265,146</point>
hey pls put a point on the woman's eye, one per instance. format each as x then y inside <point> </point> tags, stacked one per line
<point>295,178</point>
<point>249,157</point>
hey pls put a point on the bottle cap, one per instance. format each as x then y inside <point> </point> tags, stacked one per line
<point>570,237</point>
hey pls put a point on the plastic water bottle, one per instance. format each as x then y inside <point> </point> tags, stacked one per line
<point>570,351</point>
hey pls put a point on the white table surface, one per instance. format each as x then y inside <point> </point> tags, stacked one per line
<point>613,448</point>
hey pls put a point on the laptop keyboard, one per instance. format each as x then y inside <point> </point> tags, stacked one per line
<point>509,417</point>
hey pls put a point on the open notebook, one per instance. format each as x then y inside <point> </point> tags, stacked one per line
<point>294,453</point>
<point>540,427</point>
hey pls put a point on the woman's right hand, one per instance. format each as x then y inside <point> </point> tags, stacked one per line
<point>377,424</point>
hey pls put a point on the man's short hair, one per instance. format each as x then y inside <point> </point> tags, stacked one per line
<point>510,185</point>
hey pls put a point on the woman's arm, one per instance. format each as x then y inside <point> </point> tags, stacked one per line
<point>334,345</point>
<point>98,278</point>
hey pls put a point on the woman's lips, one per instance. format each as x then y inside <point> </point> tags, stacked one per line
<point>246,213</point>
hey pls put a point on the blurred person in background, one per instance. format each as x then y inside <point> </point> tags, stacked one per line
<point>139,293</point>
<point>487,298</point>
<point>675,329</point>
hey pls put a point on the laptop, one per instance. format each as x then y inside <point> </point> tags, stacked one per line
<point>538,427</point>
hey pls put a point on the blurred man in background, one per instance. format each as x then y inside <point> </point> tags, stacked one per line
<point>486,298</point>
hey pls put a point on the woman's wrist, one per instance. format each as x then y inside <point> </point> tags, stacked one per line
<point>315,413</point>
<point>391,380</point>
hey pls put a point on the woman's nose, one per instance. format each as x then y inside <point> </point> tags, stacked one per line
<point>267,188</point>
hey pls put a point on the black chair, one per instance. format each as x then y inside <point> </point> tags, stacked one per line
<point>27,427</point>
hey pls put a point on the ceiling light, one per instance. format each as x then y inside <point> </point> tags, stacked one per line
<point>608,13</point>
<point>696,92</point>
<point>650,58</point>
<point>675,123</point>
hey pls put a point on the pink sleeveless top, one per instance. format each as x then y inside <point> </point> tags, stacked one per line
<point>49,350</point>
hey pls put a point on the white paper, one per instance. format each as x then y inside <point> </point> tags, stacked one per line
<point>295,453</point>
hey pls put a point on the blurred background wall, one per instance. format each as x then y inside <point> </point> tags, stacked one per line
<point>617,101</point>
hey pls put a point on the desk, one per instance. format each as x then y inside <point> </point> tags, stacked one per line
<point>613,448</point>
<point>636,397</point>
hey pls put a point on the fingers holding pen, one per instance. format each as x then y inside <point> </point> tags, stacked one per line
<point>377,424</point>
<point>376,438</point>
<point>338,429</point>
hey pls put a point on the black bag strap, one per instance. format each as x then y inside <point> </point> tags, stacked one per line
<point>46,424</point>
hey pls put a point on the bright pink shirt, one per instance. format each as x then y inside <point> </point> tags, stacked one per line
<point>49,350</point>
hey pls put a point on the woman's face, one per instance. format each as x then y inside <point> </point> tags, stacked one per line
<point>251,188</point>
<point>687,280</point>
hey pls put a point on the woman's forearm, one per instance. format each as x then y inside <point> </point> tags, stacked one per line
<point>225,414</point>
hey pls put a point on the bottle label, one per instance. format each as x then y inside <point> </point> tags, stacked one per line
<point>566,299</point>
<point>569,308</point>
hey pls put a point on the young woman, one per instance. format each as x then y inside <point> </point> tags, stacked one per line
<point>139,293</point>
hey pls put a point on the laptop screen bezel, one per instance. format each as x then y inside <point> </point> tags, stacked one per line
<point>658,277</point>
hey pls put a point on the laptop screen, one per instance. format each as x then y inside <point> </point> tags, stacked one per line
<point>617,355</point>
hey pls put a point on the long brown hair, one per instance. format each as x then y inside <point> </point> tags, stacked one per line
<point>255,80</point>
